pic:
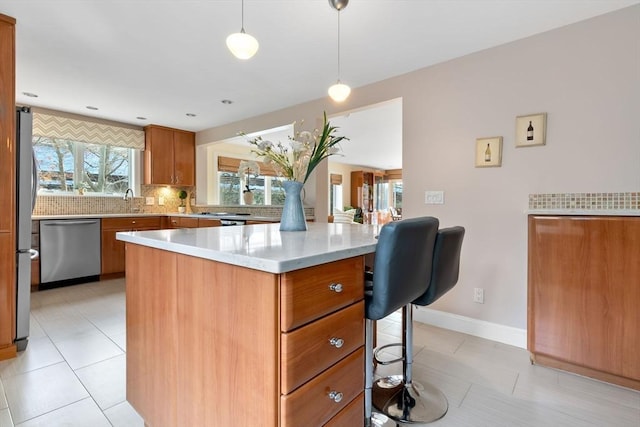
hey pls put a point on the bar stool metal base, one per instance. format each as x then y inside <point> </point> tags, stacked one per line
<point>408,403</point>
<point>381,420</point>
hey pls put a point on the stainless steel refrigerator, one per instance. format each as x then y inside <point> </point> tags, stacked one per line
<point>26,190</point>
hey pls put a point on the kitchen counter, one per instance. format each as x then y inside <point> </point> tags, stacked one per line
<point>100,215</point>
<point>248,312</point>
<point>230,216</point>
<point>262,246</point>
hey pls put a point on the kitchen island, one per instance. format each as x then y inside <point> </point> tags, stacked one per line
<point>247,325</point>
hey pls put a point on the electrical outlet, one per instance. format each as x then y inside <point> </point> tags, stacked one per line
<point>161,201</point>
<point>478,295</point>
<point>149,201</point>
<point>193,202</point>
<point>434,197</point>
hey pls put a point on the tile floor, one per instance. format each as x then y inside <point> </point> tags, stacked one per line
<point>73,373</point>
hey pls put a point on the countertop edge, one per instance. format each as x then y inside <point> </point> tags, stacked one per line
<point>584,212</point>
<point>275,266</point>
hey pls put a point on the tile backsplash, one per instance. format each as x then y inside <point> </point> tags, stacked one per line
<point>88,204</point>
<point>79,205</point>
<point>595,201</point>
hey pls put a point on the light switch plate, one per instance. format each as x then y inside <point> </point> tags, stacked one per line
<point>434,197</point>
<point>149,201</point>
<point>161,201</point>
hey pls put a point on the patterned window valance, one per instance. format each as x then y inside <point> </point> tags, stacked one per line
<point>50,126</point>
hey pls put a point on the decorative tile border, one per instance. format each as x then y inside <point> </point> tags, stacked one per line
<point>595,201</point>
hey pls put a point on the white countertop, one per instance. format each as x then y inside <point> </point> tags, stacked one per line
<point>262,246</point>
<point>230,216</point>
<point>580,212</point>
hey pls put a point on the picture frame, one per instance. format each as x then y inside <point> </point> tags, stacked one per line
<point>489,152</point>
<point>531,130</point>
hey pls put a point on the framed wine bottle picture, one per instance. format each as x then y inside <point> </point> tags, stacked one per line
<point>489,152</point>
<point>531,130</point>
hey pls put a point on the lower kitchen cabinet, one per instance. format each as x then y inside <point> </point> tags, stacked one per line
<point>7,295</point>
<point>584,288</point>
<point>113,254</point>
<point>206,331</point>
<point>183,222</point>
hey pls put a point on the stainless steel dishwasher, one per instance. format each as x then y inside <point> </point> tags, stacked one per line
<point>69,251</point>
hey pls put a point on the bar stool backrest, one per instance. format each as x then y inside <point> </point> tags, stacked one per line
<point>402,265</point>
<point>446,264</point>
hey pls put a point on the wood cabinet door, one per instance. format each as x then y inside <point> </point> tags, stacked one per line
<point>7,123</point>
<point>184,155</point>
<point>356,189</point>
<point>158,156</point>
<point>7,195</point>
<point>112,253</point>
<point>584,288</point>
<point>7,290</point>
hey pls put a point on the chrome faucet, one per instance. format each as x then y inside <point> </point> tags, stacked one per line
<point>126,194</point>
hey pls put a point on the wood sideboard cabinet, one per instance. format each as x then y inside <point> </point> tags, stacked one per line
<point>169,156</point>
<point>583,295</point>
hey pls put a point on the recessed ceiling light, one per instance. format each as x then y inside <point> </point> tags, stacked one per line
<point>89,107</point>
<point>141,118</point>
<point>227,101</point>
<point>190,115</point>
<point>30,95</point>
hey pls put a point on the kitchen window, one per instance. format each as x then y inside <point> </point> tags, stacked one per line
<point>267,187</point>
<point>78,155</point>
<point>67,167</point>
<point>267,190</point>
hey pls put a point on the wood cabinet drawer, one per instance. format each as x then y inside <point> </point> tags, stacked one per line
<point>307,351</point>
<point>311,404</point>
<point>209,222</point>
<point>310,293</point>
<point>351,416</point>
<point>131,223</point>
<point>183,222</point>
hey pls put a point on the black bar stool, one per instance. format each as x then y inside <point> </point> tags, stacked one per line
<point>398,396</point>
<point>402,272</point>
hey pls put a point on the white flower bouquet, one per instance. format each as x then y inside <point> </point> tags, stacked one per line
<point>304,153</point>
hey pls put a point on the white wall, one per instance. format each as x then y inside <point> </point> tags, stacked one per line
<point>585,76</point>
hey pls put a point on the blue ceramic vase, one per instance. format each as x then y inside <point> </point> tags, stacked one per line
<point>292,213</point>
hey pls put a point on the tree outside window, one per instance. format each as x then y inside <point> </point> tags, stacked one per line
<point>67,165</point>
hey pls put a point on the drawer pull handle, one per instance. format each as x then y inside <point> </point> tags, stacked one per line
<point>336,287</point>
<point>336,396</point>
<point>336,342</point>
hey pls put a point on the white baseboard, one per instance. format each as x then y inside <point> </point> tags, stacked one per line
<point>479,328</point>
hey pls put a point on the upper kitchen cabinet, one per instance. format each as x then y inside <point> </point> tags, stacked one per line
<point>169,156</point>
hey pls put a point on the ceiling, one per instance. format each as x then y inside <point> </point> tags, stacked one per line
<point>162,59</point>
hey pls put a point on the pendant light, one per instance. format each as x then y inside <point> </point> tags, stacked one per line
<point>242,45</point>
<point>339,91</point>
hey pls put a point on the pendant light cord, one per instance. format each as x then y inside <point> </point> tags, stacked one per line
<point>242,27</point>
<point>338,45</point>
